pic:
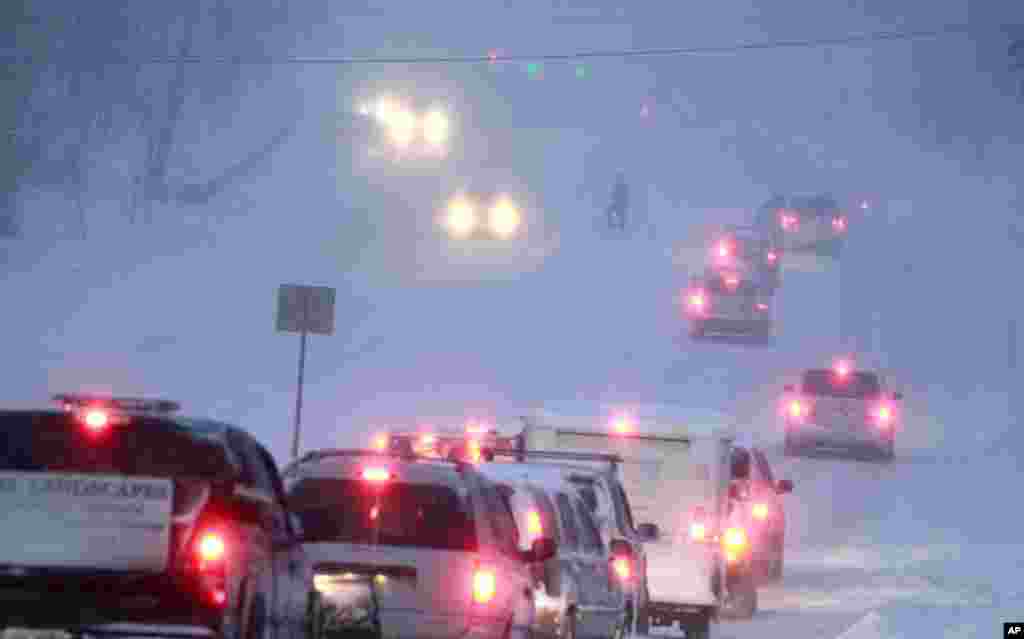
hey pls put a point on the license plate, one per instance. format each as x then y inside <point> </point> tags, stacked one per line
<point>34,633</point>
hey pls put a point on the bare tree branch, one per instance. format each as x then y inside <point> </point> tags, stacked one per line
<point>202,193</point>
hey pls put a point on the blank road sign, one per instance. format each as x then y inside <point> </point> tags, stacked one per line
<point>307,309</point>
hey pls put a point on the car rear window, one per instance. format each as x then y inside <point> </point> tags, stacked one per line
<point>142,447</point>
<point>396,514</point>
<point>824,383</point>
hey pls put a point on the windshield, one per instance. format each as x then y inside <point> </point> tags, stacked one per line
<point>825,383</point>
<point>397,514</point>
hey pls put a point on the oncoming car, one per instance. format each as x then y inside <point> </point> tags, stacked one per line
<point>433,537</point>
<point>841,408</point>
<point>137,516</point>
<point>726,304</point>
<point>805,223</point>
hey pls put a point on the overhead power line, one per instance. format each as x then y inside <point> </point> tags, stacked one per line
<point>843,41</point>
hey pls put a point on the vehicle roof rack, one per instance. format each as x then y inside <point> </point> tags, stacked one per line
<point>327,453</point>
<point>559,455</point>
<point>69,401</point>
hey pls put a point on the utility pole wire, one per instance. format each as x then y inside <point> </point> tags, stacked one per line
<point>848,40</point>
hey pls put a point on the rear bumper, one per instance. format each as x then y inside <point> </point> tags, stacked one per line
<point>734,326</point>
<point>816,435</point>
<point>75,602</point>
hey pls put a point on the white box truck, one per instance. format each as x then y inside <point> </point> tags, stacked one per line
<point>674,468</point>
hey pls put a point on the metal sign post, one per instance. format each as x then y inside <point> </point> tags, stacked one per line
<point>304,310</point>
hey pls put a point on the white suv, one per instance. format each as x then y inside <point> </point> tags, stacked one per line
<point>432,539</point>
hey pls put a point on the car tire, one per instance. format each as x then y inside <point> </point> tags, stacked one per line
<point>790,448</point>
<point>741,602</point>
<point>697,628</point>
<point>643,621</point>
<point>256,625</point>
<point>568,629</point>
<point>697,329</point>
<point>888,450</point>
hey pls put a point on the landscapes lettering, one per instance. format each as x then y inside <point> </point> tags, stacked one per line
<point>98,487</point>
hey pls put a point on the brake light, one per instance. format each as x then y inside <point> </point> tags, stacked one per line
<point>622,424</point>
<point>623,568</point>
<point>842,369</point>
<point>787,221</point>
<point>723,249</point>
<point>698,531</point>
<point>485,585</point>
<point>761,306</point>
<point>760,511</point>
<point>473,451</point>
<point>697,300</point>
<point>797,409</point>
<point>772,257</point>
<point>534,528</point>
<point>96,420</point>
<point>884,415</point>
<point>839,224</point>
<point>380,442</point>
<point>428,440</point>
<point>735,542</point>
<point>209,553</point>
<point>376,474</point>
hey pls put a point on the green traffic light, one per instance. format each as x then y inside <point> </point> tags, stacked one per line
<point>532,68</point>
<point>581,72</point>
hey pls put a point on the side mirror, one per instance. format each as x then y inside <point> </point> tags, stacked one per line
<point>784,486</point>
<point>621,548</point>
<point>897,396</point>
<point>789,388</point>
<point>543,549</point>
<point>648,532</point>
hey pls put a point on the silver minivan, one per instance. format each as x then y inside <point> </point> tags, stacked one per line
<point>432,541</point>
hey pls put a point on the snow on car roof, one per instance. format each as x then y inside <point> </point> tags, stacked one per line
<point>549,476</point>
<point>649,418</point>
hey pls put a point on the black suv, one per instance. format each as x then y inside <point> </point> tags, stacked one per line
<point>117,511</point>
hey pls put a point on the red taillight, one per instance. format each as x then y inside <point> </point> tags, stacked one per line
<point>698,531</point>
<point>381,442</point>
<point>734,542</point>
<point>485,585</point>
<point>772,257</point>
<point>210,549</point>
<point>474,451</point>
<point>761,306</point>
<point>883,415</point>
<point>376,474</point>
<point>622,424</point>
<point>788,221</point>
<point>623,568</point>
<point>760,511</point>
<point>534,528</point>
<point>96,420</point>
<point>796,409</point>
<point>839,224</point>
<point>697,300</point>
<point>210,554</point>
<point>723,249</point>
